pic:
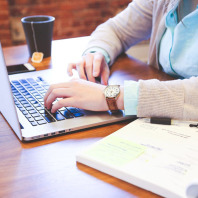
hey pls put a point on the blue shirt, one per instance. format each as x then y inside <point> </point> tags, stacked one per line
<point>178,47</point>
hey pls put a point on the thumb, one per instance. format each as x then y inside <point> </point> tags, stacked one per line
<point>70,67</point>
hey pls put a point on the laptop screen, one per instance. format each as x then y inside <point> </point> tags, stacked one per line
<point>7,106</point>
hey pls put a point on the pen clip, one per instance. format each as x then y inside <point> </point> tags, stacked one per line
<point>193,125</point>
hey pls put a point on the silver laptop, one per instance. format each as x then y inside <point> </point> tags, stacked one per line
<point>21,104</point>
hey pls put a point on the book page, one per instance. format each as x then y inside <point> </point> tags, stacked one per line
<point>116,151</point>
<point>164,155</point>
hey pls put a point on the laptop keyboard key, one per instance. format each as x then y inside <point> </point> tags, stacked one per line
<point>38,118</point>
<point>24,112</point>
<point>31,119</point>
<point>32,111</point>
<point>33,123</point>
<point>66,114</point>
<point>79,114</point>
<point>49,118</point>
<point>42,122</point>
<point>29,108</point>
<point>28,116</point>
<point>75,111</point>
<point>58,116</point>
<point>35,114</point>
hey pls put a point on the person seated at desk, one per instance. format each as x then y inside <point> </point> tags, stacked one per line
<point>172,29</point>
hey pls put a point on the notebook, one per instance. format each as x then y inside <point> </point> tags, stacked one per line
<point>21,104</point>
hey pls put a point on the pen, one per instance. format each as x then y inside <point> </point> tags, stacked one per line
<point>193,125</point>
<point>160,120</point>
<point>167,121</point>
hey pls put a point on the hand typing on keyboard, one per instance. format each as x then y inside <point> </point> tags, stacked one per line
<point>78,93</point>
<point>28,97</point>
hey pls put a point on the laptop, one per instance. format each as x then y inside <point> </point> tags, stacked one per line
<point>22,105</point>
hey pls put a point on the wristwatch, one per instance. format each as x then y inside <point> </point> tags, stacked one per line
<point>111,93</point>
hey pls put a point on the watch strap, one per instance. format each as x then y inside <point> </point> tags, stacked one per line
<point>111,102</point>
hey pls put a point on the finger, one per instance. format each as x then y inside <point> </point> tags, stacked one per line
<point>57,93</point>
<point>48,93</point>
<point>70,67</point>
<point>66,102</point>
<point>104,78</point>
<point>97,62</point>
<point>81,69</point>
<point>89,67</point>
<point>105,75</point>
<point>56,86</point>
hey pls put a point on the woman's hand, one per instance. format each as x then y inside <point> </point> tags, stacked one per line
<point>91,66</point>
<point>76,93</point>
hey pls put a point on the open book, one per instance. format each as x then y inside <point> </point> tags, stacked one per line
<point>159,158</point>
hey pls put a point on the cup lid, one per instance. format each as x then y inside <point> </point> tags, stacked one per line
<point>38,19</point>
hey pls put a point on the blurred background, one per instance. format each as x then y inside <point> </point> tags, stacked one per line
<point>74,18</point>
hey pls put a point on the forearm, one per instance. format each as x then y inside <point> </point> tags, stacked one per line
<point>177,99</point>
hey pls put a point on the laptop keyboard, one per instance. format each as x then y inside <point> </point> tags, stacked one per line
<point>28,97</point>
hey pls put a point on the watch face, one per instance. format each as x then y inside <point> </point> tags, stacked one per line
<point>112,91</point>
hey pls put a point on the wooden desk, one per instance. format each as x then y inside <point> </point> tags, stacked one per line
<point>47,168</point>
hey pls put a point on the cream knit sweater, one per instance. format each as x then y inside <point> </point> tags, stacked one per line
<point>141,20</point>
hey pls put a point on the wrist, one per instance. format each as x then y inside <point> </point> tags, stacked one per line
<point>120,100</point>
<point>100,50</point>
<point>114,95</point>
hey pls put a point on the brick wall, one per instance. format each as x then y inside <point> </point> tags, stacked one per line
<point>73,17</point>
<point>5,35</point>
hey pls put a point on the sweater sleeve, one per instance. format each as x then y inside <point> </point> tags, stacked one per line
<point>177,99</point>
<point>127,28</point>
